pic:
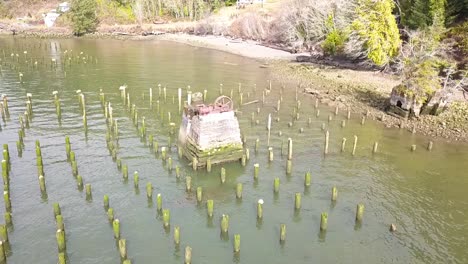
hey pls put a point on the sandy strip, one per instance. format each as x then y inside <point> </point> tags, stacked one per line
<point>249,48</point>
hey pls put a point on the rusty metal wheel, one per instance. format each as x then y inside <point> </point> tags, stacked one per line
<point>225,101</point>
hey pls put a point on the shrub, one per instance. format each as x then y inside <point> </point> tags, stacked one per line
<point>83,16</point>
<point>335,39</point>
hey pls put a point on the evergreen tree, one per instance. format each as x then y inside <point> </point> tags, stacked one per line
<point>376,28</point>
<point>83,16</point>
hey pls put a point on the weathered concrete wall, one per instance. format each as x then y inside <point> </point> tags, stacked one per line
<point>215,130</point>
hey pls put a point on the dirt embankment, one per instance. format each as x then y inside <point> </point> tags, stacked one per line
<point>367,93</point>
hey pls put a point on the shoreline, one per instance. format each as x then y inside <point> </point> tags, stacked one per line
<point>364,92</point>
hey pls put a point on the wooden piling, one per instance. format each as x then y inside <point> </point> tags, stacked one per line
<point>88,191</point>
<point>355,145</point>
<point>256,170</point>
<point>288,167</point>
<point>327,137</point>
<point>334,195</point>
<point>282,233</point>
<point>307,179</point>
<point>297,201</point>
<point>359,212</point>
<point>188,183</point>
<point>166,217</point>
<point>57,210</point>
<point>177,235</point>
<point>2,253</point>
<point>210,207</point>
<point>79,182</point>
<point>188,255</point>
<point>60,236</point>
<point>224,223</point>
<point>61,258</point>
<point>159,202</point>
<point>110,214</point>
<point>106,201</point>
<point>42,184</point>
<point>208,165</point>
<point>8,219</point>
<point>239,188</point>
<point>237,243</point>
<point>260,209</point>
<point>276,185</point>
<point>290,148</point>
<point>6,197</point>
<point>323,222</point>
<point>123,248</point>
<point>223,175</point>
<point>125,171</point>
<point>375,148</point>
<point>149,190</point>
<point>116,228</point>
<point>199,194</point>
<point>413,148</point>
<point>136,179</point>
<point>257,143</point>
<point>59,221</point>
<point>194,163</point>
<point>270,154</point>
<point>343,144</point>
<point>430,145</point>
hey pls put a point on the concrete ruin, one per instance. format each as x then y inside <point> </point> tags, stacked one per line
<point>403,105</point>
<point>210,132</point>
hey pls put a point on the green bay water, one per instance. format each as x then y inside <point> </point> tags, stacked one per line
<point>423,193</point>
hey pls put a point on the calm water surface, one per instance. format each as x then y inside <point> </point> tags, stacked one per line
<point>424,193</point>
